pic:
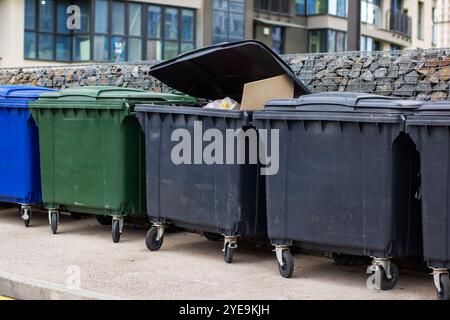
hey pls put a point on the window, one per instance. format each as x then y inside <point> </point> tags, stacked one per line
<point>228,20</point>
<point>369,44</point>
<point>317,7</point>
<point>110,30</point>
<point>434,30</point>
<point>300,7</point>
<point>420,19</point>
<point>371,12</point>
<point>277,39</point>
<point>325,40</point>
<point>337,7</point>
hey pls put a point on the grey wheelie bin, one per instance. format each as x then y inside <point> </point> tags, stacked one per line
<point>346,181</point>
<point>429,129</point>
<point>220,197</point>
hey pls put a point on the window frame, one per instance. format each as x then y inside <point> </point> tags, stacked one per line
<point>228,14</point>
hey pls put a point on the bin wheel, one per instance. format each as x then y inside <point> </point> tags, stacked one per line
<point>150,239</point>
<point>54,222</point>
<point>287,269</point>
<point>213,236</point>
<point>27,221</point>
<point>445,288</point>
<point>116,231</point>
<point>228,253</point>
<point>389,284</point>
<point>341,259</point>
<point>76,215</point>
<point>104,220</point>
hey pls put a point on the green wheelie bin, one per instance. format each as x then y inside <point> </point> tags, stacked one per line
<point>92,152</point>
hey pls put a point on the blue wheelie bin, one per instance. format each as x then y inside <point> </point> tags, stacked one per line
<point>20,180</point>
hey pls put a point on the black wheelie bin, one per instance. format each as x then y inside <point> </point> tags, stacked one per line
<point>346,181</point>
<point>220,197</point>
<point>429,128</point>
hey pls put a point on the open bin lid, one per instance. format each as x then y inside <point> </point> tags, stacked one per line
<point>22,92</point>
<point>221,70</point>
<point>113,93</point>
<point>347,102</point>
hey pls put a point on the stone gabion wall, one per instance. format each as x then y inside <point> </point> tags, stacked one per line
<point>411,74</point>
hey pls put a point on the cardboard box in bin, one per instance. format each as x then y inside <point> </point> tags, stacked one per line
<point>257,93</point>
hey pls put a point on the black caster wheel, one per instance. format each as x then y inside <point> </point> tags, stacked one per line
<point>444,294</point>
<point>213,236</point>
<point>150,239</point>
<point>27,223</point>
<point>228,253</point>
<point>25,214</point>
<point>54,222</point>
<point>341,259</point>
<point>76,215</point>
<point>116,232</point>
<point>104,220</point>
<point>287,269</point>
<point>389,284</point>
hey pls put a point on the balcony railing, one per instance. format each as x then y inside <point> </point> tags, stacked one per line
<point>399,22</point>
<point>274,7</point>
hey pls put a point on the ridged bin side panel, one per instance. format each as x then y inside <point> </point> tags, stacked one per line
<point>90,160</point>
<point>19,153</point>
<point>336,187</point>
<point>217,198</point>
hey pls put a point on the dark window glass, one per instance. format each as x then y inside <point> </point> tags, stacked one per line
<point>118,18</point>
<point>300,7</point>
<point>154,22</point>
<point>229,20</point>
<point>186,47</point>
<point>85,10</point>
<point>30,45</point>
<point>45,47</point>
<point>154,50</point>
<point>170,49</point>
<point>188,25</point>
<point>135,19</point>
<point>135,50</point>
<point>118,48</point>
<point>101,48</point>
<point>46,17</point>
<point>81,48</point>
<point>101,16</point>
<point>62,16</point>
<point>171,24</point>
<point>30,14</point>
<point>63,48</point>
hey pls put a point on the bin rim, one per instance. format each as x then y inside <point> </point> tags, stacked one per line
<point>24,93</point>
<point>150,108</point>
<point>344,102</point>
<point>200,68</point>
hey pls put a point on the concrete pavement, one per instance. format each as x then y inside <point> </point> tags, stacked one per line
<point>81,262</point>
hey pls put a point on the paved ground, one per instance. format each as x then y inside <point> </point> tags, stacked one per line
<point>187,267</point>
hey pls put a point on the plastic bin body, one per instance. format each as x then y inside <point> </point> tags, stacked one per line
<point>19,149</point>
<point>219,198</point>
<point>92,150</point>
<point>429,129</point>
<point>347,176</point>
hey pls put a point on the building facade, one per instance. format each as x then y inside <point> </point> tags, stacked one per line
<point>45,32</point>
<point>442,23</point>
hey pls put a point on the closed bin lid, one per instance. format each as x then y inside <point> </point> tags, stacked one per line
<point>345,102</point>
<point>435,108</point>
<point>11,93</point>
<point>97,94</point>
<point>221,70</point>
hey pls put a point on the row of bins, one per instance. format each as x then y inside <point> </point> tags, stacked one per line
<point>356,174</point>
